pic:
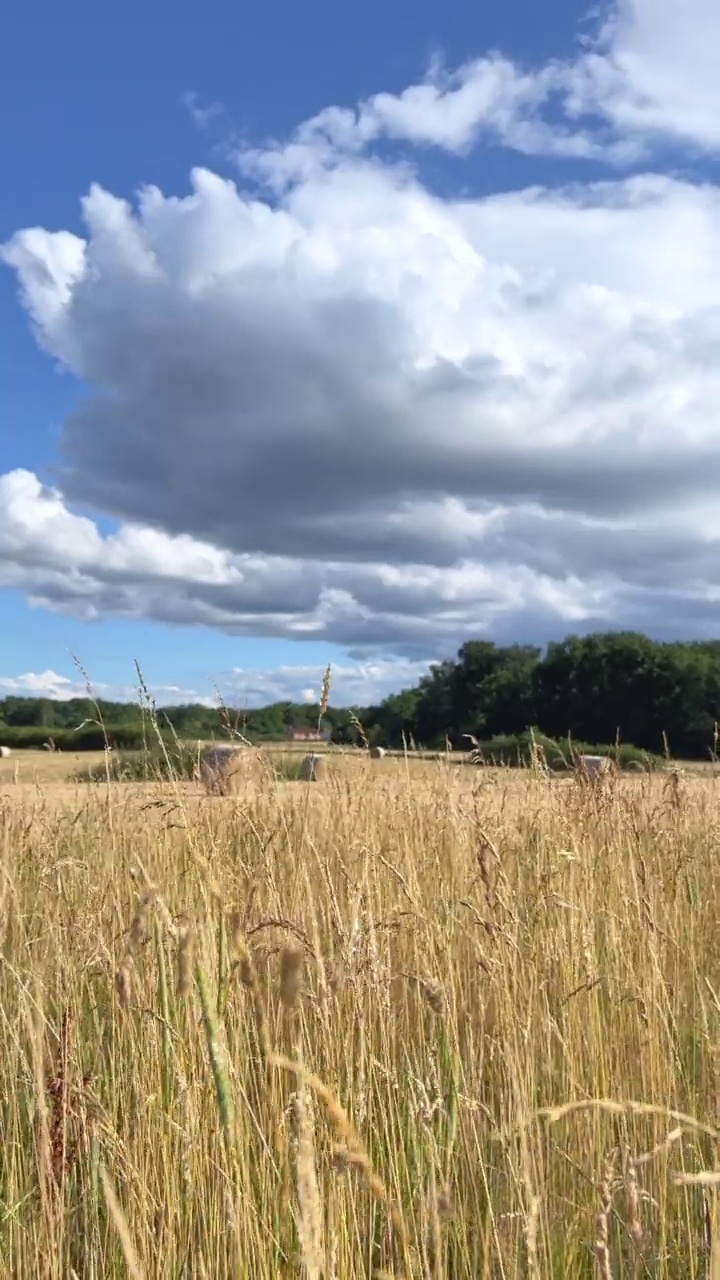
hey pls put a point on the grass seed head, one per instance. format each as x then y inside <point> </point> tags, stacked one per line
<point>434,996</point>
<point>123,980</point>
<point>291,970</point>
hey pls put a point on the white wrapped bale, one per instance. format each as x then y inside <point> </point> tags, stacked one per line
<point>314,768</point>
<point>594,767</point>
<point>218,766</point>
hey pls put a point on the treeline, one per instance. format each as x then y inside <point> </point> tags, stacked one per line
<point>595,688</point>
<point>80,724</point>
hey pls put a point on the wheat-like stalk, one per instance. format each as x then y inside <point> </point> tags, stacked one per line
<point>387,1029</point>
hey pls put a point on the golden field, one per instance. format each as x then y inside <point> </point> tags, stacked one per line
<point>415,1020</point>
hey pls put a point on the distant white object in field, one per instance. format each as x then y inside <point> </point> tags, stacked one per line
<point>4,753</point>
<point>217,765</point>
<point>377,753</point>
<point>313,768</point>
<point>594,766</point>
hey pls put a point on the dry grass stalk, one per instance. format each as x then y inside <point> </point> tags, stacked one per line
<point>438,1211</point>
<point>602,1246</point>
<point>137,935</point>
<point>123,980</point>
<point>185,952</point>
<point>325,694</point>
<point>632,1203</point>
<point>121,1226</point>
<point>310,1225</point>
<point>568,887</point>
<point>243,961</point>
<point>139,923</point>
<point>359,729</point>
<point>43,1145</point>
<point>632,1108</point>
<point>291,971</point>
<point>63,1145</point>
<point>712,1211</point>
<point>218,1062</point>
<point>353,1151</point>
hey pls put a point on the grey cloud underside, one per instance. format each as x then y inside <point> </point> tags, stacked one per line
<point>330,494</point>
<point>422,630</point>
<point>294,495</point>
<point>646,558</point>
<point>282,427</point>
<point>556,545</point>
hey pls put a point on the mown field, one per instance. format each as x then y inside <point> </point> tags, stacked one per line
<point>415,1020</point>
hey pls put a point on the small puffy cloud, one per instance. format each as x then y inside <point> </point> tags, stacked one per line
<point>625,93</point>
<point>60,688</point>
<point>202,114</point>
<point>38,684</point>
<point>363,413</point>
<point>353,684</point>
<point>488,98</point>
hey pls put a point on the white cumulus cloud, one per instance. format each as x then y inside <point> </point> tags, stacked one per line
<point>61,688</point>
<point>358,411</point>
<point>353,684</point>
<point>646,77</point>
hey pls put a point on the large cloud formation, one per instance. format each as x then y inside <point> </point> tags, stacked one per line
<point>338,405</point>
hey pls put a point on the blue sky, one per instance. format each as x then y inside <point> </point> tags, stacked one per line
<point>442,363</point>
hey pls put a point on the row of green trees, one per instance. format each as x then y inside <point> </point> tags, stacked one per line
<point>596,688</point>
<point>190,720</point>
<point>80,724</point>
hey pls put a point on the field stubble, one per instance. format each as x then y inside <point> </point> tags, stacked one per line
<point>415,1021</point>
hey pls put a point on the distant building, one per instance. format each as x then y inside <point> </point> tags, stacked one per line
<point>308,735</point>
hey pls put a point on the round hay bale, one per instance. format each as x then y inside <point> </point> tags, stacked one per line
<point>4,753</point>
<point>219,769</point>
<point>377,753</point>
<point>593,768</point>
<point>314,768</point>
<point>635,766</point>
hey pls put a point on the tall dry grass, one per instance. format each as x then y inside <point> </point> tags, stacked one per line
<point>418,1023</point>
